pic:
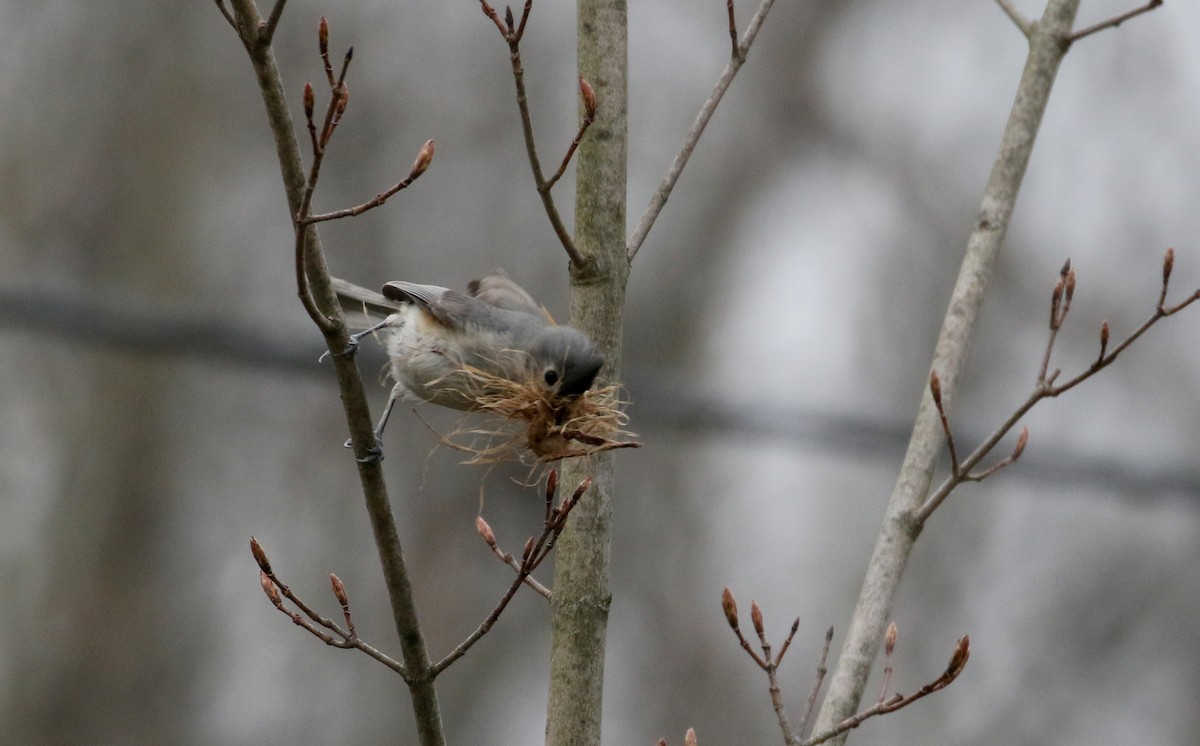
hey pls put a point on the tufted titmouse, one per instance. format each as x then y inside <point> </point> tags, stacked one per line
<point>433,333</point>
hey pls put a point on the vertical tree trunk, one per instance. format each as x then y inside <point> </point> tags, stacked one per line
<point>1047,46</point>
<point>581,595</point>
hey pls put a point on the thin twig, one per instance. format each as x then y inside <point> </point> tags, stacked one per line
<point>659,199</point>
<point>1017,17</point>
<point>267,31</point>
<point>1114,21</point>
<point>535,552</point>
<point>228,16</point>
<point>958,661</point>
<point>512,36</point>
<point>347,639</point>
<point>817,682</point>
<point>935,390</point>
<point>418,168</point>
<point>1047,386</point>
<point>733,34</point>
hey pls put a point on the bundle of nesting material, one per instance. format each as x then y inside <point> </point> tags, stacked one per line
<point>527,418</point>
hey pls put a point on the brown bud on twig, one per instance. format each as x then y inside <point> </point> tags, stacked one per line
<point>260,556</point>
<point>662,742</point>
<point>1055,302</point>
<point>323,36</point>
<point>424,158</point>
<point>485,531</point>
<point>958,659</point>
<point>1070,285</point>
<point>508,17</point>
<point>589,99</point>
<point>935,388</point>
<point>343,94</point>
<point>1022,439</point>
<point>1103,339</point>
<point>310,101</point>
<point>729,606</point>
<point>1168,265</point>
<point>269,588</point>
<point>551,483</point>
<point>339,590</point>
<point>756,619</point>
<point>528,550</point>
<point>889,639</point>
<point>689,738</point>
<point>582,488</point>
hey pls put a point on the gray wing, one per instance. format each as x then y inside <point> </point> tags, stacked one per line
<point>498,289</point>
<point>450,307</point>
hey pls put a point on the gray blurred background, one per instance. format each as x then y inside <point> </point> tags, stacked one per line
<point>162,400</point>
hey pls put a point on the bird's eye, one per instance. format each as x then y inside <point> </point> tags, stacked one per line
<point>551,377</point>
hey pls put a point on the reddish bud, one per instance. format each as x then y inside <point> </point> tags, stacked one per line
<point>343,94</point>
<point>1103,337</point>
<point>528,549</point>
<point>508,17</point>
<point>424,158</point>
<point>260,556</point>
<point>589,99</point>
<point>1022,439</point>
<point>1070,284</point>
<point>662,742</point>
<point>1168,265</point>
<point>582,488</point>
<point>485,531</point>
<point>935,388</point>
<point>310,101</point>
<point>889,640</point>
<point>323,35</point>
<point>756,618</point>
<point>269,588</point>
<point>339,590</point>
<point>689,739</point>
<point>551,483</point>
<point>958,659</point>
<point>729,606</point>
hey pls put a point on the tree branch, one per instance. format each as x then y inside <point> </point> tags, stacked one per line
<point>736,59</point>
<point>901,526</point>
<point>1017,17</point>
<point>353,394</point>
<point>1113,22</point>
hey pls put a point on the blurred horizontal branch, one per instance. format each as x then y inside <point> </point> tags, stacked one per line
<point>139,327</point>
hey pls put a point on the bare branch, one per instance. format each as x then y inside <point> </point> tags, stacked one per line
<point>1017,17</point>
<point>818,681</point>
<point>1047,386</point>
<point>310,620</point>
<point>589,116</point>
<point>536,550</point>
<point>267,30</point>
<point>228,16</point>
<point>1114,21</point>
<point>659,199</point>
<point>512,36</point>
<point>349,212</point>
<point>733,34</point>
<point>958,661</point>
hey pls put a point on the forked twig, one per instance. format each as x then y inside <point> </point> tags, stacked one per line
<point>958,661</point>
<point>736,59</point>
<point>536,550</point>
<point>345,638</point>
<point>1047,385</point>
<point>512,33</point>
